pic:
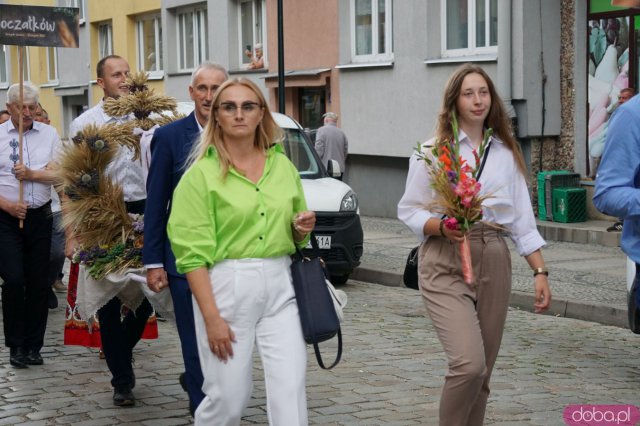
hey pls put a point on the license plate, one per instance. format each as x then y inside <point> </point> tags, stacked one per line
<point>324,242</point>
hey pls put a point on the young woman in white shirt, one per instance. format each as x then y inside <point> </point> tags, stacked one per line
<point>469,319</point>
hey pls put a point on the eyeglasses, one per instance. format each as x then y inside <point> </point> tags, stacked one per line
<point>231,109</point>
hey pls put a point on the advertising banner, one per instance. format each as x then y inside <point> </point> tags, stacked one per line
<point>39,26</point>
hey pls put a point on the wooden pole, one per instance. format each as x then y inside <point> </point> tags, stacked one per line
<point>20,122</point>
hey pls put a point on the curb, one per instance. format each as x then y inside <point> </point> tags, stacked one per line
<point>586,311</point>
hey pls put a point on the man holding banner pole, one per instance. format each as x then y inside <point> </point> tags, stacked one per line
<point>24,250</point>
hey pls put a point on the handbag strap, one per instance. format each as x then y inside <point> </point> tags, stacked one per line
<point>314,247</point>
<point>316,349</point>
<point>484,160</point>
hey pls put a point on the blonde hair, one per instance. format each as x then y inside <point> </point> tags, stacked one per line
<point>267,133</point>
<point>497,119</point>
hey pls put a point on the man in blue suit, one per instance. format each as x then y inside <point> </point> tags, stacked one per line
<point>170,147</point>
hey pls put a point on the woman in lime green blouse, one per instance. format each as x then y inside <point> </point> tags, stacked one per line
<point>237,214</point>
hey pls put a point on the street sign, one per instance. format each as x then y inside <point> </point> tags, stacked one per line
<point>39,26</point>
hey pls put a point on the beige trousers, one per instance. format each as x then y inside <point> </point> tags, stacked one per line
<point>469,320</point>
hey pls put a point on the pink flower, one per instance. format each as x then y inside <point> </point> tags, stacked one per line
<point>451,223</point>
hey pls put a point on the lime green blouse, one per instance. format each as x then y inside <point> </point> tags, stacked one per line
<point>214,219</point>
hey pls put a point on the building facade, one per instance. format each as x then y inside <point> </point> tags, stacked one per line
<point>380,64</point>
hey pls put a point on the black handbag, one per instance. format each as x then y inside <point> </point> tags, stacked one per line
<point>410,276</point>
<point>315,304</point>
<point>633,308</point>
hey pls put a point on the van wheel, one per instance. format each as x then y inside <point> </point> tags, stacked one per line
<point>339,279</point>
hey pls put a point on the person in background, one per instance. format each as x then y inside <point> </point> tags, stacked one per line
<point>238,214</point>
<point>257,59</point>
<point>25,225</point>
<point>623,96</point>
<point>469,318</point>
<point>42,115</point>
<point>332,143</point>
<point>169,148</point>
<point>4,116</point>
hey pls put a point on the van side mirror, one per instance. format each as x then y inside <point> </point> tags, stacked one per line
<point>333,168</point>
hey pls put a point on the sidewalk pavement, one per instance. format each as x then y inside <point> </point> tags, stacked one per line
<point>587,267</point>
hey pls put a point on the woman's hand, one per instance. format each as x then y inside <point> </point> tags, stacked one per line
<point>543,293</point>
<point>220,338</point>
<point>303,223</point>
<point>455,235</point>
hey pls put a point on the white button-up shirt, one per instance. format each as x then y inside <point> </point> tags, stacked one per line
<point>40,144</point>
<point>123,170</point>
<point>509,204</point>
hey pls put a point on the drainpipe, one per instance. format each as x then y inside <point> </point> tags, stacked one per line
<point>504,55</point>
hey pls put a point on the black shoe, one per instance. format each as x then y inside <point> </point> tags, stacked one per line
<point>123,397</point>
<point>52,299</point>
<point>34,358</point>
<point>18,357</point>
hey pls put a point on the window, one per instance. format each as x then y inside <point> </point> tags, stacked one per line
<point>80,5</point>
<point>252,32</point>
<point>193,38</point>
<point>52,65</point>
<point>105,39</point>
<point>371,30</point>
<point>150,45</point>
<point>4,53</point>
<point>470,27</point>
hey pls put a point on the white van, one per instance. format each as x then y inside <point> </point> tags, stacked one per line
<point>338,229</point>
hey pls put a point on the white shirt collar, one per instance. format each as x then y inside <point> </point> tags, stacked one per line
<point>462,137</point>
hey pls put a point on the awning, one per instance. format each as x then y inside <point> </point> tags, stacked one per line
<point>71,90</point>
<point>300,78</point>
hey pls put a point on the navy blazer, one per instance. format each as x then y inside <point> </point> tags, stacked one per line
<point>170,147</point>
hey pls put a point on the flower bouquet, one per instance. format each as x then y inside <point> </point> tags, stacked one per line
<point>455,181</point>
<point>118,257</point>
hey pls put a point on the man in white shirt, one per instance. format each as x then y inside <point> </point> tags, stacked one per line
<point>118,337</point>
<point>25,226</point>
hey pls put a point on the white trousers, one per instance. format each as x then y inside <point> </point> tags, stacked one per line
<point>256,298</point>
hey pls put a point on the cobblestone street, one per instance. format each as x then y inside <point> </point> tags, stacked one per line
<point>391,372</point>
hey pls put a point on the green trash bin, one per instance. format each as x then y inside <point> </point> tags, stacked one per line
<point>545,213</point>
<point>569,205</point>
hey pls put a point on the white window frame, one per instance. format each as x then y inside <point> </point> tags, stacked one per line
<point>472,49</point>
<point>4,51</point>
<point>109,33</point>
<point>80,5</point>
<point>263,36</point>
<point>53,80</point>
<point>388,36</point>
<point>26,65</point>
<point>159,71</point>
<point>199,46</point>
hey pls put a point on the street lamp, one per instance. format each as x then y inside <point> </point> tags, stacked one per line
<point>280,60</point>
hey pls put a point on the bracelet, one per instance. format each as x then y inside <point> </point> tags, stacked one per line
<point>542,270</point>
<point>441,227</point>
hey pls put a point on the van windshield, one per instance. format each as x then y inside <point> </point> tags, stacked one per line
<point>301,155</point>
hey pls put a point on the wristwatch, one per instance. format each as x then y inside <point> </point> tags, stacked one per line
<point>542,270</point>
